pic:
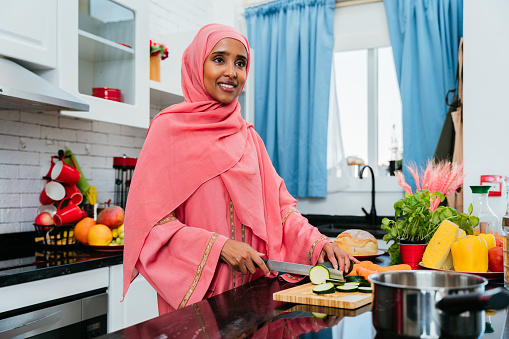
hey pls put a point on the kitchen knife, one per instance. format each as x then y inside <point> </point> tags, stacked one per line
<point>300,269</point>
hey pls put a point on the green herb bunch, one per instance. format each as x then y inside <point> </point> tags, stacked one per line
<point>415,221</point>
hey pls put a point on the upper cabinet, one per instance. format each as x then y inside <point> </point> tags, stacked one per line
<point>29,36</point>
<point>104,45</point>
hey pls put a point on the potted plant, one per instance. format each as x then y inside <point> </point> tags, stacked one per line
<point>418,215</point>
<point>158,52</point>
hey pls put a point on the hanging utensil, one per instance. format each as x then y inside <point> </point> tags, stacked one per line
<point>91,195</point>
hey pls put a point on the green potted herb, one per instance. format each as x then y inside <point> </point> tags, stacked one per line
<point>418,215</point>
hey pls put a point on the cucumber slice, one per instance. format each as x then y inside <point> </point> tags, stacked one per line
<point>347,288</point>
<point>324,288</point>
<point>318,274</point>
<point>365,289</point>
<point>365,284</point>
<point>352,284</point>
<point>355,279</point>
<point>335,282</point>
<point>319,315</point>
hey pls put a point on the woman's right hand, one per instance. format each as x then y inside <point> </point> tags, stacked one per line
<point>242,257</point>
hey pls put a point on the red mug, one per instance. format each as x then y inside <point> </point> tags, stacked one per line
<point>65,173</point>
<point>72,192</point>
<point>52,192</point>
<point>69,214</point>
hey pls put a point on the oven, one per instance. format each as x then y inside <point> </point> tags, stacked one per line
<point>79,316</point>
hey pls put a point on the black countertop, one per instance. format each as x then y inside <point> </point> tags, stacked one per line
<point>22,260</point>
<point>249,311</point>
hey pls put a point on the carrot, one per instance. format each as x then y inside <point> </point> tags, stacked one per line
<point>400,267</point>
<point>364,272</point>
<point>364,264</point>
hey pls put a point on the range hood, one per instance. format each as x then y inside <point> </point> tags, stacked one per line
<point>23,90</point>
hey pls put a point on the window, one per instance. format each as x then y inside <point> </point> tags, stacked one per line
<point>369,104</point>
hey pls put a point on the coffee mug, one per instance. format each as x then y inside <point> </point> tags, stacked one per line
<point>69,214</point>
<point>72,192</point>
<point>52,192</point>
<point>64,173</point>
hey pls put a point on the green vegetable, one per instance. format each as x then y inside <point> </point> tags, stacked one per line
<point>324,288</point>
<point>318,274</point>
<point>365,289</point>
<point>414,221</point>
<point>348,288</point>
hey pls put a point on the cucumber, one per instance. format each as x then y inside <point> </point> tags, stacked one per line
<point>319,274</point>
<point>365,289</point>
<point>335,282</point>
<point>324,288</point>
<point>355,279</point>
<point>347,288</point>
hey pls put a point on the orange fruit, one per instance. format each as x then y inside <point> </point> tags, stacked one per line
<point>99,235</point>
<point>81,229</point>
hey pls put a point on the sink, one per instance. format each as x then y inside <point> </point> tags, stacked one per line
<point>332,225</point>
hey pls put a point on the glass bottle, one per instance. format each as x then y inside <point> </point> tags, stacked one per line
<point>505,232</point>
<point>488,220</point>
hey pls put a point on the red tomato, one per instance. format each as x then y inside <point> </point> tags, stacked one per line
<point>496,259</point>
<point>499,243</point>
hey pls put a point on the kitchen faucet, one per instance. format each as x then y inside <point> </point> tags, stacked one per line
<point>371,216</point>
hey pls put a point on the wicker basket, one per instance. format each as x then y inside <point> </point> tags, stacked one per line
<point>56,236</point>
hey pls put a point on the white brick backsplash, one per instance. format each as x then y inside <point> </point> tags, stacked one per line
<point>43,119</point>
<point>56,133</point>
<point>10,200</point>
<point>9,142</point>
<point>19,128</point>
<point>92,137</point>
<point>18,157</point>
<point>75,123</point>
<point>93,143</point>
<point>9,172</point>
<point>8,114</point>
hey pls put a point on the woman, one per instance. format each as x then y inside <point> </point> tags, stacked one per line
<point>205,203</point>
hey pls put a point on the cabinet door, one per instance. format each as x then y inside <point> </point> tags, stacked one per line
<point>140,303</point>
<point>105,44</point>
<point>28,32</point>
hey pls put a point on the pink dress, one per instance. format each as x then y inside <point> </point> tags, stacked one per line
<point>180,257</point>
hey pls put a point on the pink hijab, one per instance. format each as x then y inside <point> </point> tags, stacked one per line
<point>186,145</point>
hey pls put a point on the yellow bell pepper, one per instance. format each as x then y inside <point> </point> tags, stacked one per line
<point>470,254</point>
<point>490,239</point>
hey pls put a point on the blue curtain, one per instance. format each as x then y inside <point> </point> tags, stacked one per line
<point>293,43</point>
<point>425,36</point>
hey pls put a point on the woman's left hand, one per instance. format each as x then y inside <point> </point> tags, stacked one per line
<point>339,258</point>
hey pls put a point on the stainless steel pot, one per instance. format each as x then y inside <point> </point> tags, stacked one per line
<point>432,304</point>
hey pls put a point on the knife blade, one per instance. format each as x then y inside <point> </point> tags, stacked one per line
<point>300,269</point>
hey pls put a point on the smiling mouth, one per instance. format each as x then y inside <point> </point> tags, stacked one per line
<point>227,87</point>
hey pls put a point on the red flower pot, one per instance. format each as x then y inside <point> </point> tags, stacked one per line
<point>411,254</point>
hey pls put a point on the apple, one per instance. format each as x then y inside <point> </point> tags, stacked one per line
<point>496,259</point>
<point>112,216</point>
<point>44,219</point>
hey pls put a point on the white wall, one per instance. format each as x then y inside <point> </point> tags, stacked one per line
<point>486,86</point>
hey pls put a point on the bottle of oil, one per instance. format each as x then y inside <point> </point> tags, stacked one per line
<point>488,220</point>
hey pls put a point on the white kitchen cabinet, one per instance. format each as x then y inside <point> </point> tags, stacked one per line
<point>40,291</point>
<point>140,303</point>
<point>104,43</point>
<point>28,32</point>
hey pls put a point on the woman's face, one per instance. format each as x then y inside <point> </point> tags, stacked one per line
<point>224,70</point>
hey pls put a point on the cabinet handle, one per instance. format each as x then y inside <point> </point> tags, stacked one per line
<point>30,326</point>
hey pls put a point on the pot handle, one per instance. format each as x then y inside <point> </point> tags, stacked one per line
<point>495,299</point>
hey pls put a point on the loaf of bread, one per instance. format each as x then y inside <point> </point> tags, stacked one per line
<point>357,242</point>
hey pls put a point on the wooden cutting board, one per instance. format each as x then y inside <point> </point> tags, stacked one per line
<point>303,294</point>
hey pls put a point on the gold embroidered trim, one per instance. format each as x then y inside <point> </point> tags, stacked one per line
<point>313,319</point>
<point>287,215</point>
<point>169,218</point>
<point>288,331</point>
<point>293,277</point>
<point>200,321</point>
<point>232,233</point>
<point>199,271</point>
<point>310,253</point>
